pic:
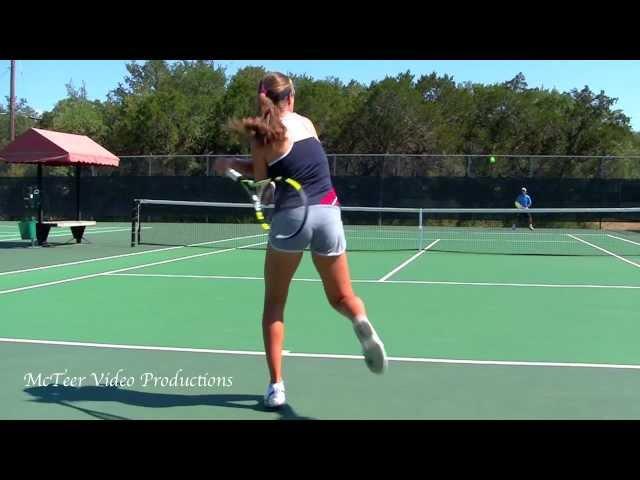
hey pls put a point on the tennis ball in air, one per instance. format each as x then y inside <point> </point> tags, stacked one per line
<point>492,159</point>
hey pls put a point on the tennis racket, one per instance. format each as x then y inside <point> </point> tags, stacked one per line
<point>260,191</point>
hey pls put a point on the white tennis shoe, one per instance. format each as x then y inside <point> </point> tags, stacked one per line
<point>275,396</point>
<point>372,347</point>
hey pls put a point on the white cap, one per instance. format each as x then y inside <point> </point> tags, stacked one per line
<point>523,189</point>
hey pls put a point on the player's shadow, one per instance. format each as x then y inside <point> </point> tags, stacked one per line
<point>65,396</point>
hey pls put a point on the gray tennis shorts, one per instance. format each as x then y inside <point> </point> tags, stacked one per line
<point>323,232</point>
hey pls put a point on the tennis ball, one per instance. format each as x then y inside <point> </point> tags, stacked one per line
<point>492,159</point>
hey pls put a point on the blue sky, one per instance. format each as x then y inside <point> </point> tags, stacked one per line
<point>42,82</point>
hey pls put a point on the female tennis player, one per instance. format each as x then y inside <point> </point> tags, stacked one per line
<point>286,144</point>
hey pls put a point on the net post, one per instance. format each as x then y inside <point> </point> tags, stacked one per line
<point>381,190</point>
<point>420,230</point>
<point>139,220</point>
<point>134,222</point>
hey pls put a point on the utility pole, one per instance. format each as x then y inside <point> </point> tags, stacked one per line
<point>12,103</point>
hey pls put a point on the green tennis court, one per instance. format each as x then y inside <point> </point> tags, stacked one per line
<point>471,333</point>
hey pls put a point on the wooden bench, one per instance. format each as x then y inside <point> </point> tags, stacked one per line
<point>77,229</point>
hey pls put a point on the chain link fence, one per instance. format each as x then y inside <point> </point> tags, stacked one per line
<point>427,181</point>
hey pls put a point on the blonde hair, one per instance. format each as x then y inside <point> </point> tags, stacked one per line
<point>267,127</point>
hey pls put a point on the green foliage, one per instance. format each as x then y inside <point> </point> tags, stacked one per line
<point>167,109</point>
<point>25,119</point>
<point>76,114</point>
<point>329,103</point>
<point>389,119</point>
<point>239,101</point>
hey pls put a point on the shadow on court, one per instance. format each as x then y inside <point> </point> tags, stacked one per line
<point>62,395</point>
<point>27,245</point>
<point>10,244</point>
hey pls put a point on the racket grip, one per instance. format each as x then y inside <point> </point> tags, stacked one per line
<point>233,174</point>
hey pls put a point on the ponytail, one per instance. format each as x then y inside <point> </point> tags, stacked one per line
<point>267,127</point>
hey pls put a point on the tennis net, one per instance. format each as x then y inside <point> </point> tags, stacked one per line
<point>557,231</point>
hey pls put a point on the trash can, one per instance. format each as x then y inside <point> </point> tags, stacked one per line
<point>27,229</point>
<point>28,225</point>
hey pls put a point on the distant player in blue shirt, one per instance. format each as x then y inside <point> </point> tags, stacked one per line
<point>524,202</point>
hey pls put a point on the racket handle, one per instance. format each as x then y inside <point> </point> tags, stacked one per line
<point>233,174</point>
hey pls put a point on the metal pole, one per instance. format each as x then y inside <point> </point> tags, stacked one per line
<point>40,209</point>
<point>420,230</point>
<point>77,192</point>
<point>380,190</point>
<point>12,102</point>
<point>134,222</point>
<point>139,227</point>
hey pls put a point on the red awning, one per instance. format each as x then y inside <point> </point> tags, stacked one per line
<point>57,149</point>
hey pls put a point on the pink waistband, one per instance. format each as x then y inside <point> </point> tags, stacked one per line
<point>331,198</point>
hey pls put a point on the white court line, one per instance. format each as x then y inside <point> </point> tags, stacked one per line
<point>492,235</point>
<point>288,353</point>
<point>417,282</point>
<point>93,275</point>
<point>125,255</point>
<point>498,284</point>
<point>623,239</point>
<point>126,347</point>
<point>606,251</point>
<point>407,262</point>
<point>474,239</point>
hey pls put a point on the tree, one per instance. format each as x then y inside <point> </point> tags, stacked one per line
<point>167,109</point>
<point>26,118</point>
<point>77,114</point>
<point>329,104</point>
<point>389,120</point>
<point>240,101</point>
<point>450,106</point>
<point>593,127</point>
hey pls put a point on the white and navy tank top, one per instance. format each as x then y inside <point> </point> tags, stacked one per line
<point>306,162</point>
